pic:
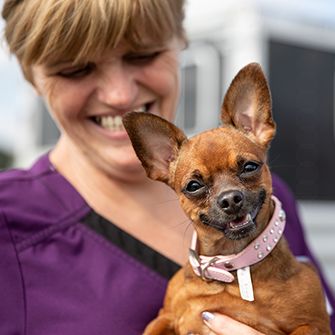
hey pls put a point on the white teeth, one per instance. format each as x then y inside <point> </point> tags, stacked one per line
<point>246,220</point>
<point>140,109</point>
<point>115,122</point>
<point>118,121</point>
<point>111,122</point>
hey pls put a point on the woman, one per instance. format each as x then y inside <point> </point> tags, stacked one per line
<point>87,241</point>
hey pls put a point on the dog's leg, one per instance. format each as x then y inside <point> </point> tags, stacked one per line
<point>162,325</point>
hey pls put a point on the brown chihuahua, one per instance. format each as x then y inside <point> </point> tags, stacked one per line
<point>240,264</point>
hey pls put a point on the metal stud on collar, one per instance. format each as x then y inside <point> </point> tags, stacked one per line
<point>219,267</point>
<point>282,215</point>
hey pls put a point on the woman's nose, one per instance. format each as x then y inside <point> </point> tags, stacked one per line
<point>118,87</point>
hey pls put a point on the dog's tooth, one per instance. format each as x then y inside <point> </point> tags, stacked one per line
<point>246,220</point>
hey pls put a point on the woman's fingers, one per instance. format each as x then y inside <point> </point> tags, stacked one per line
<point>224,325</point>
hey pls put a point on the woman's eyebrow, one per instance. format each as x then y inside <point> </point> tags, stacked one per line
<point>57,63</point>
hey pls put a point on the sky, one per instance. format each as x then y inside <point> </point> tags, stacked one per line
<point>14,92</point>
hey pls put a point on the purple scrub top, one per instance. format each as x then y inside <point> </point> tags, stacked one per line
<point>58,276</point>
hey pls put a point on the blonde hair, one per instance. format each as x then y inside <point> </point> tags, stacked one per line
<point>49,30</point>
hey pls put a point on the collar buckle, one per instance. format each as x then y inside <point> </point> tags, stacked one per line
<point>219,267</point>
<point>200,266</point>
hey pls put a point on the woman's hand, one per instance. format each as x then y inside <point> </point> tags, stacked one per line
<point>223,325</point>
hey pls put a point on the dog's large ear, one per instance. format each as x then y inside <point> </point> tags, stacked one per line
<point>247,105</point>
<point>156,143</point>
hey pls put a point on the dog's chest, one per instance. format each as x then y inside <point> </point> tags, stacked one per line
<point>269,311</point>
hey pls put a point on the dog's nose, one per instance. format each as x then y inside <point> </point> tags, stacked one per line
<point>231,201</point>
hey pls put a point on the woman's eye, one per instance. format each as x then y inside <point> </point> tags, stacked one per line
<point>77,71</point>
<point>142,57</point>
<point>250,167</point>
<point>193,186</point>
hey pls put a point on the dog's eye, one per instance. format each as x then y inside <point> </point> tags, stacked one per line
<point>193,186</point>
<point>250,167</point>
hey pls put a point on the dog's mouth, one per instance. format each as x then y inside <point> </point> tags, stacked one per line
<point>236,229</point>
<point>240,228</point>
<point>240,222</point>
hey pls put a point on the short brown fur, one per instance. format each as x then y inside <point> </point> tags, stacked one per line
<point>288,294</point>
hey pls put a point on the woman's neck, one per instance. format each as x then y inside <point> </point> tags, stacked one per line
<point>101,188</point>
<point>148,210</point>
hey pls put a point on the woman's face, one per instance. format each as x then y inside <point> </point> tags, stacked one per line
<point>88,100</point>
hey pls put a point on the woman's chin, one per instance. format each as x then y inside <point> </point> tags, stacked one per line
<point>126,164</point>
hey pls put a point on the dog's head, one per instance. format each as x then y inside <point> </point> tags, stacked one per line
<point>220,176</point>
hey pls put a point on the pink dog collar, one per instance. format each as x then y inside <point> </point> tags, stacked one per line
<point>219,267</point>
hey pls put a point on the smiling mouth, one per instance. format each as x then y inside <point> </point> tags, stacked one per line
<point>240,228</point>
<point>241,222</point>
<point>236,229</point>
<point>114,122</point>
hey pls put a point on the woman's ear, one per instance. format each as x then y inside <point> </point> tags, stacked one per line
<point>29,75</point>
<point>36,89</point>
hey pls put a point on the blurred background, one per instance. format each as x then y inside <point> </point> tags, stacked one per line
<point>295,43</point>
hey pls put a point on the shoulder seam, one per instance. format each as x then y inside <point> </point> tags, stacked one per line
<point>69,220</point>
<point>5,221</point>
<point>26,177</point>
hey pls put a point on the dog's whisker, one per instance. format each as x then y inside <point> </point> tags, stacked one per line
<point>222,175</point>
<point>181,223</point>
<point>189,225</point>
